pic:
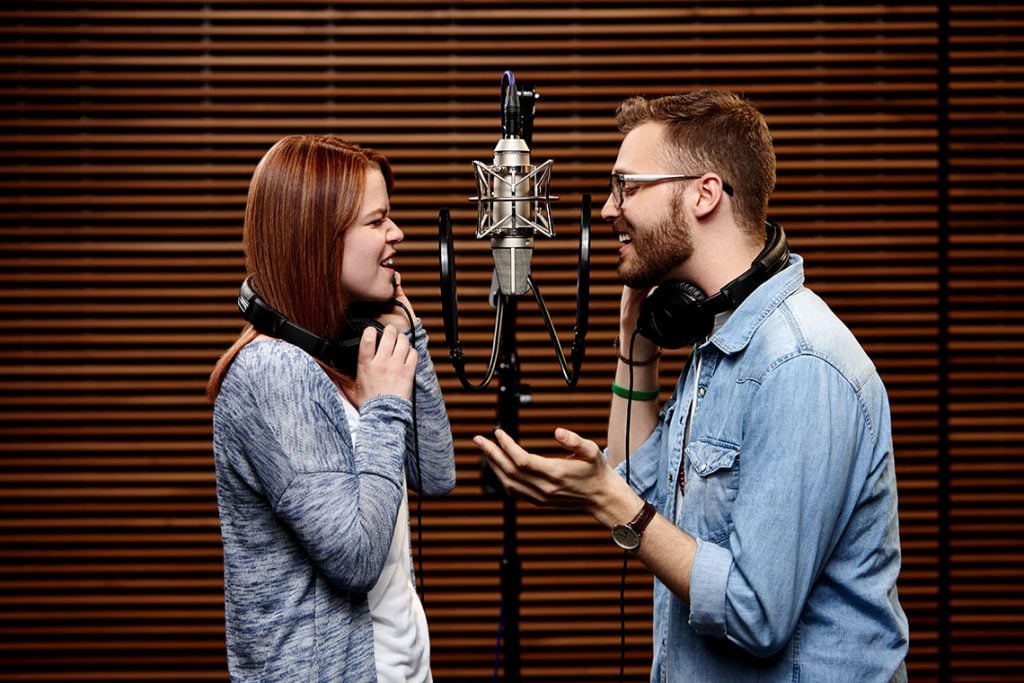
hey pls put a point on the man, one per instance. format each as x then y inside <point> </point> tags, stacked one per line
<point>775,542</point>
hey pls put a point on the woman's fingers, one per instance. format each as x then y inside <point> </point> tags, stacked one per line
<point>390,368</point>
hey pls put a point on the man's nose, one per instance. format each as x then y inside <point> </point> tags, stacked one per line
<point>610,210</point>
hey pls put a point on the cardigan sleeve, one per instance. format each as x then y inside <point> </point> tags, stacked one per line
<point>430,445</point>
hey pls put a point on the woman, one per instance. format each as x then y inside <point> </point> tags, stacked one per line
<point>312,464</point>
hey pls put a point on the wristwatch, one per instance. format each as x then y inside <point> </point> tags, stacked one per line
<point>627,536</point>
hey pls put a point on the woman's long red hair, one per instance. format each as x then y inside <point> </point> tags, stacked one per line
<point>304,193</point>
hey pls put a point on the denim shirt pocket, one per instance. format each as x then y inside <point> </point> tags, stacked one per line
<point>712,481</point>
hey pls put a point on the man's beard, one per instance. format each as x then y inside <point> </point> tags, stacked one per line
<point>657,250</point>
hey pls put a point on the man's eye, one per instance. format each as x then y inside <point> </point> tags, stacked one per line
<point>629,188</point>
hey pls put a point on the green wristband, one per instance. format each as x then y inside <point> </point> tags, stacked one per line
<point>635,395</point>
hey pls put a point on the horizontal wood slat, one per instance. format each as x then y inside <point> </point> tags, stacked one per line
<point>130,129</point>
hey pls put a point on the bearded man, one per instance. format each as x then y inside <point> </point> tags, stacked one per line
<point>762,494</point>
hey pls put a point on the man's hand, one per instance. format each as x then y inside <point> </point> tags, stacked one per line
<point>629,313</point>
<point>583,479</point>
<point>580,479</point>
<point>629,307</point>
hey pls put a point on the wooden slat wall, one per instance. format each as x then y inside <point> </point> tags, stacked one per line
<point>984,341</point>
<point>130,130</point>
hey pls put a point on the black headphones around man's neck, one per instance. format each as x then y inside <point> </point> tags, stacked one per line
<point>678,314</point>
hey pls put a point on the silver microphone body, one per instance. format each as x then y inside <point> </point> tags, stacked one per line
<point>514,205</point>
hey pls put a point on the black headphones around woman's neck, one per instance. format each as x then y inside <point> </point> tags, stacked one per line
<point>341,353</point>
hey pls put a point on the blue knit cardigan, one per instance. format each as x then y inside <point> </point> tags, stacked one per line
<point>306,519</point>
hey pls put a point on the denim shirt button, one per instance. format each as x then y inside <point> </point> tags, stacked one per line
<point>701,391</point>
<point>703,467</point>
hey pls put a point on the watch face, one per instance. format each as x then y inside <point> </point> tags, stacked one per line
<point>625,537</point>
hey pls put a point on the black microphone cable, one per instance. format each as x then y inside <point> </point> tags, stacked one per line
<point>511,125</point>
<point>625,553</point>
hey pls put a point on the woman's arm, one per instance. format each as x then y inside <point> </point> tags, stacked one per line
<point>430,446</point>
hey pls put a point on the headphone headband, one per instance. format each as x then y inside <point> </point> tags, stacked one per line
<point>773,258</point>
<point>340,353</point>
<point>679,313</point>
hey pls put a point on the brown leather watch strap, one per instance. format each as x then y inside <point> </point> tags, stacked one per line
<point>643,518</point>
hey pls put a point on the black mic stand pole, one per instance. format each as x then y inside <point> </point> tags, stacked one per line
<point>504,360</point>
<point>511,573</point>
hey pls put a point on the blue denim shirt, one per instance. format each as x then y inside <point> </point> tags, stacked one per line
<point>790,492</point>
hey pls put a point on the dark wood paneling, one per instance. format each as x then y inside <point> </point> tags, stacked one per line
<point>129,132</point>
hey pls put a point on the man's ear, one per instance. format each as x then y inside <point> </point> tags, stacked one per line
<point>709,194</point>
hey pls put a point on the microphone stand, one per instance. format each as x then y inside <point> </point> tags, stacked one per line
<point>510,397</point>
<point>505,362</point>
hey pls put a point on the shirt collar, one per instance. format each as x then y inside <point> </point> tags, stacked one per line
<point>738,330</point>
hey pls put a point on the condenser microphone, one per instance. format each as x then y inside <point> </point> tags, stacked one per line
<point>513,196</point>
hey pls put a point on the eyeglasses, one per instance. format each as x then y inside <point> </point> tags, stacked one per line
<point>617,182</point>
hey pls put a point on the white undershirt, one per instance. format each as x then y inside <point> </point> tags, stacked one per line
<point>401,642</point>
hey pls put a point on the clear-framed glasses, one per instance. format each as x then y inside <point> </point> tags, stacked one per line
<point>617,183</point>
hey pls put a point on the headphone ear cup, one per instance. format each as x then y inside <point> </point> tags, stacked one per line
<point>349,340</point>
<point>673,315</point>
<point>775,255</point>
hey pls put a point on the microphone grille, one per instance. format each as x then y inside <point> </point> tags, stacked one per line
<point>512,265</point>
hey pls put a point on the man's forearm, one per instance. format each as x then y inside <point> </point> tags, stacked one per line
<point>665,549</point>
<point>643,414</point>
